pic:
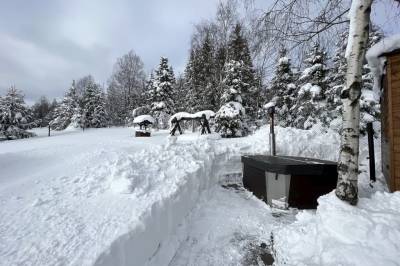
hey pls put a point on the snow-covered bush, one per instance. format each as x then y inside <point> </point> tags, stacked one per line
<point>229,120</point>
<point>15,116</point>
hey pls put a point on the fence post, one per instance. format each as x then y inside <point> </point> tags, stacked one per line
<point>49,130</point>
<point>371,151</point>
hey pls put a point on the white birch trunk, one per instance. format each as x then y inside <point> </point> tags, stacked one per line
<point>347,186</point>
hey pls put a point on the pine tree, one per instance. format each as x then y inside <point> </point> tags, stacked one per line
<point>68,108</point>
<point>15,116</point>
<point>94,110</point>
<point>238,50</point>
<point>282,89</point>
<point>192,97</point>
<point>163,94</point>
<point>230,120</point>
<point>309,107</point>
<point>207,87</point>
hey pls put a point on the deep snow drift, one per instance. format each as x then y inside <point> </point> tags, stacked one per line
<point>104,197</point>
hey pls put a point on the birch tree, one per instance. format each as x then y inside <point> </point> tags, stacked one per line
<point>347,187</point>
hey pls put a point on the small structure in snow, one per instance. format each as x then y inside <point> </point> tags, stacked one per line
<point>384,59</point>
<point>202,117</point>
<point>143,121</point>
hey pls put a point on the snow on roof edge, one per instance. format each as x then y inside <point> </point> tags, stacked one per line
<point>377,62</point>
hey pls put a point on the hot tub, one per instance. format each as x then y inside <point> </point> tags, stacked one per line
<point>287,181</point>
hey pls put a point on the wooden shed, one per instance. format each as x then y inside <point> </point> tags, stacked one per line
<point>390,109</point>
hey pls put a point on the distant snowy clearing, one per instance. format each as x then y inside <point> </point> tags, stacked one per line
<point>104,197</point>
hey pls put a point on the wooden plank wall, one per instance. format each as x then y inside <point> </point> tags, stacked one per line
<point>393,73</point>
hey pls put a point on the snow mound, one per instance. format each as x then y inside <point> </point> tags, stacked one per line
<point>143,118</point>
<point>340,234</point>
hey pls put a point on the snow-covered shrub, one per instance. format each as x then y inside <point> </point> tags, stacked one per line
<point>229,120</point>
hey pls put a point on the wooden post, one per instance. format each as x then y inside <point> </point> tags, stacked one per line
<point>371,151</point>
<point>49,130</point>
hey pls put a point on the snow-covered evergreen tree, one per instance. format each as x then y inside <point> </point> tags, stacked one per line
<point>230,120</point>
<point>336,79</point>
<point>94,112</point>
<point>369,101</point>
<point>238,50</point>
<point>282,89</point>
<point>15,116</point>
<point>163,95</point>
<point>68,111</point>
<point>309,107</point>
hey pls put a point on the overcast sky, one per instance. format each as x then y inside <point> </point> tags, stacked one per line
<point>45,44</point>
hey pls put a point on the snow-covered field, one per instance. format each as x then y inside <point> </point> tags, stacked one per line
<point>103,197</point>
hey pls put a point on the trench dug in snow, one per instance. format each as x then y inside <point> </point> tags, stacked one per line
<point>207,219</point>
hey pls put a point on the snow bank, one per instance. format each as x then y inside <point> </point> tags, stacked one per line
<point>340,234</point>
<point>376,62</point>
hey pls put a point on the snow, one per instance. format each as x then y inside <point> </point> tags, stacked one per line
<point>231,109</point>
<point>376,62</point>
<point>141,118</point>
<point>269,105</point>
<point>341,234</point>
<point>103,197</point>
<point>309,70</point>
<point>184,115</point>
<point>283,60</point>
<point>315,90</point>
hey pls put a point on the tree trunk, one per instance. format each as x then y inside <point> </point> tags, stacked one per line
<point>347,187</point>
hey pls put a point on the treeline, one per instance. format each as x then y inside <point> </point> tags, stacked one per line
<point>228,71</point>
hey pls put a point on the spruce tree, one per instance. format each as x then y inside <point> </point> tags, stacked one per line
<point>163,95</point>
<point>282,89</point>
<point>336,80</point>
<point>308,108</point>
<point>369,101</point>
<point>238,50</point>
<point>230,120</point>
<point>15,116</point>
<point>207,86</point>
<point>94,113</point>
<point>68,108</point>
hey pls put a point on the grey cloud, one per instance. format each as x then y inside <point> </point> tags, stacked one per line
<point>45,44</point>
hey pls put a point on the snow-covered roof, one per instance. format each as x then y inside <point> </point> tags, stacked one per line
<point>375,59</point>
<point>269,105</point>
<point>184,115</point>
<point>143,118</point>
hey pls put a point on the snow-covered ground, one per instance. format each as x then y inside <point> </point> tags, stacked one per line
<point>103,197</point>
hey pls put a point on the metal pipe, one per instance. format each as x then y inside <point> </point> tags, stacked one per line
<point>272,146</point>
